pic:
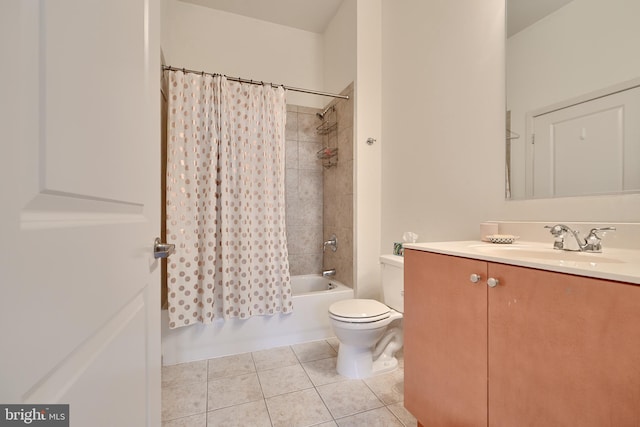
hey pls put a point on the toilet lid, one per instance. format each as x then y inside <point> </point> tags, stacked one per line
<point>359,310</point>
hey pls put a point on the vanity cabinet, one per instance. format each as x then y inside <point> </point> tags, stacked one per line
<point>539,349</point>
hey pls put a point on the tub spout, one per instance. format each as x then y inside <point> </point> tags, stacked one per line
<point>328,273</point>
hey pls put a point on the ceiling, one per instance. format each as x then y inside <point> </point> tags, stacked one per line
<point>315,15</point>
<point>308,15</point>
<point>522,13</point>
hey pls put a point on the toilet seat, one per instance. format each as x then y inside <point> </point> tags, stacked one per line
<point>359,311</point>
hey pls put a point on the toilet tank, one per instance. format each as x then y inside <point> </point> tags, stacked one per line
<point>393,281</point>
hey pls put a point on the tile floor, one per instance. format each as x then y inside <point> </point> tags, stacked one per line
<point>284,386</point>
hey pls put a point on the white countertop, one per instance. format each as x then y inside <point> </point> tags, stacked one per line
<point>621,265</point>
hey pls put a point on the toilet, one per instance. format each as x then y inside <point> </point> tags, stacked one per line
<point>370,332</point>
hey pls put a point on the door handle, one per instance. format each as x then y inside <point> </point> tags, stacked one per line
<point>162,250</point>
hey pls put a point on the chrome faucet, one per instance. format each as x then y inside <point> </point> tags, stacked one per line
<point>328,273</point>
<point>592,243</point>
<point>332,243</point>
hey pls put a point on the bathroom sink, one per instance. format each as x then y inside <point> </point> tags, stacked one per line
<point>540,253</point>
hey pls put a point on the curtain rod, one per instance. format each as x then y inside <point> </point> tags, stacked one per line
<point>254,82</point>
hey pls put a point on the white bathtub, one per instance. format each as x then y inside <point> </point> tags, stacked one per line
<point>308,322</point>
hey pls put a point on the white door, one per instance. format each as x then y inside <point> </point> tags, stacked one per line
<point>80,207</point>
<point>578,151</point>
<point>589,147</point>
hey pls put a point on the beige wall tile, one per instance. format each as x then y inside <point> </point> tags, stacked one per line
<point>303,191</point>
<point>291,127</point>
<point>321,202</point>
<point>307,124</point>
<point>307,155</point>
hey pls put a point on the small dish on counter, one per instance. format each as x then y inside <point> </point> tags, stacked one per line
<point>502,238</point>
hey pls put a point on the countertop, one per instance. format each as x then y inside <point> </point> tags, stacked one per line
<point>622,265</point>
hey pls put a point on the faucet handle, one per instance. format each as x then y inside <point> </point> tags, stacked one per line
<point>593,240</point>
<point>332,243</point>
<point>556,230</point>
<point>595,230</point>
<point>593,233</point>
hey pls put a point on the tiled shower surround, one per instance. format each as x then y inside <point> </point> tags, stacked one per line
<point>319,201</point>
<point>303,191</point>
<point>338,191</point>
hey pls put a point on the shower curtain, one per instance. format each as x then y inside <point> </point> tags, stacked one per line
<point>225,200</point>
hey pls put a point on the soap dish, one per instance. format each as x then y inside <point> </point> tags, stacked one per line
<point>502,238</point>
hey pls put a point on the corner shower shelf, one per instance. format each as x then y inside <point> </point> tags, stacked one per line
<point>326,127</point>
<point>329,156</point>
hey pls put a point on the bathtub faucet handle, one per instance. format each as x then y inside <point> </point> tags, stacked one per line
<point>332,243</point>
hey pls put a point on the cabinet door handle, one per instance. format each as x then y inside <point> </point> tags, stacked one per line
<point>492,283</point>
<point>475,278</point>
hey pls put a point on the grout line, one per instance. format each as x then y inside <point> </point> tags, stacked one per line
<point>394,414</point>
<point>264,399</point>
<point>206,396</point>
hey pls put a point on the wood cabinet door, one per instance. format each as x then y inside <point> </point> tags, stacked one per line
<point>563,350</point>
<point>445,329</point>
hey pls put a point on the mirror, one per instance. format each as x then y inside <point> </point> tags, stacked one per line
<point>566,134</point>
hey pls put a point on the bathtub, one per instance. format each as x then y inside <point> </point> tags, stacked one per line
<point>312,296</point>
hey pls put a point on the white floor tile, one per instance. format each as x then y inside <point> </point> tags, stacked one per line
<point>300,408</point>
<point>252,414</point>
<point>230,366</point>
<point>274,358</point>
<point>315,350</point>
<point>323,371</point>
<point>184,373</point>
<point>389,388</point>
<point>231,391</point>
<point>199,420</point>
<point>283,380</point>
<point>348,398</point>
<point>403,415</point>
<point>380,417</point>
<point>285,386</point>
<point>184,400</point>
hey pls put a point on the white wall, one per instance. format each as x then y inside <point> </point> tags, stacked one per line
<point>368,158</point>
<point>585,46</point>
<point>165,36</point>
<point>442,117</point>
<point>201,38</point>
<point>340,48</point>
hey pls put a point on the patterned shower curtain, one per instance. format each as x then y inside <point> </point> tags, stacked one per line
<point>225,200</point>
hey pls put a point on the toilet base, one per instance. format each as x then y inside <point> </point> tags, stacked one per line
<point>384,364</point>
<point>358,363</point>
